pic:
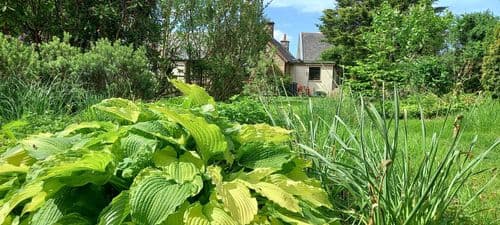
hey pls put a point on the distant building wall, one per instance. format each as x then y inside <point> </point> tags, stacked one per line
<point>180,70</point>
<point>300,74</point>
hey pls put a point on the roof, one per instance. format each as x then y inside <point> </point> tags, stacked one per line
<point>285,54</point>
<point>311,45</point>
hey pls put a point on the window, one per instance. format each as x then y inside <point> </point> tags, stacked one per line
<point>314,73</point>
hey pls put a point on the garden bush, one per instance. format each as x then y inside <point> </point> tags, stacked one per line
<point>116,70</point>
<point>157,164</point>
<point>244,110</point>
<point>430,74</point>
<point>491,66</point>
<point>57,58</point>
<point>61,78</point>
<point>431,105</point>
<point>17,60</point>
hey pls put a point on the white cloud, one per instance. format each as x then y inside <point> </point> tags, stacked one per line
<point>304,5</point>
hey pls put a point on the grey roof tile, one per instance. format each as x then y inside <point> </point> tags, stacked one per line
<point>313,44</point>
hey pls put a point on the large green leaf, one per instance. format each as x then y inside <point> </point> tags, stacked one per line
<point>195,216</point>
<point>94,162</point>
<point>155,195</point>
<point>73,219</point>
<point>87,127</point>
<point>102,140</point>
<point>194,94</point>
<point>263,155</point>
<point>182,172</point>
<point>209,138</point>
<point>165,156</point>
<point>17,156</point>
<point>44,145</point>
<point>6,168</point>
<point>25,193</point>
<point>56,172</point>
<point>218,216</point>
<point>116,212</point>
<point>235,196</point>
<point>207,215</point>
<point>238,202</point>
<point>164,130</point>
<point>275,194</point>
<point>48,214</point>
<point>262,133</point>
<point>135,153</point>
<point>177,217</point>
<point>312,194</point>
<point>120,109</point>
<point>307,217</point>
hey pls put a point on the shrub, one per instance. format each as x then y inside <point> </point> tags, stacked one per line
<point>160,165</point>
<point>490,79</point>
<point>17,60</point>
<point>244,110</point>
<point>430,74</point>
<point>116,70</point>
<point>57,59</point>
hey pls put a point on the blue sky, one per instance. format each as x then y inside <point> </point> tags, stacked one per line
<point>295,16</point>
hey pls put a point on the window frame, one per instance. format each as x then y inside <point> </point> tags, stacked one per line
<point>316,77</point>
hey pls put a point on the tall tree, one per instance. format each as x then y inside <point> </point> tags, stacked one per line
<point>491,65</point>
<point>220,39</point>
<point>395,38</point>
<point>344,25</point>
<point>471,34</point>
<point>132,21</point>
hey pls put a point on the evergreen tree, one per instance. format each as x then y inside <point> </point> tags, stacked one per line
<point>491,66</point>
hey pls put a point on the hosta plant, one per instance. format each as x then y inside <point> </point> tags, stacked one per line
<point>150,164</point>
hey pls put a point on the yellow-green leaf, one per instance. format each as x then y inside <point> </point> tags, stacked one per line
<point>195,95</point>
<point>121,109</point>
<point>314,195</point>
<point>208,137</point>
<point>275,194</point>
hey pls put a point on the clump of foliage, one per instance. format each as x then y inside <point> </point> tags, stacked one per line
<point>244,110</point>
<point>382,173</point>
<point>157,164</point>
<point>491,66</point>
<point>266,78</point>
<point>12,131</point>
<point>220,39</point>
<point>16,59</point>
<point>431,105</point>
<point>470,36</point>
<point>430,74</point>
<point>134,21</point>
<point>116,70</point>
<point>395,38</point>
<point>63,79</point>
<point>409,42</point>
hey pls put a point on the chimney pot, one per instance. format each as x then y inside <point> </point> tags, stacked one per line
<point>285,43</point>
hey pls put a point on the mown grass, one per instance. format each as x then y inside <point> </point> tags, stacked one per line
<point>482,121</point>
<point>313,120</point>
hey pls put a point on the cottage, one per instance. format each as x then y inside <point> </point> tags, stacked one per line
<point>310,75</point>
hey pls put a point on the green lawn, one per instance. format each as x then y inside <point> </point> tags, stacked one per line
<point>312,119</point>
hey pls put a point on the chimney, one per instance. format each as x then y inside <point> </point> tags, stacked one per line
<point>285,43</point>
<point>270,28</point>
